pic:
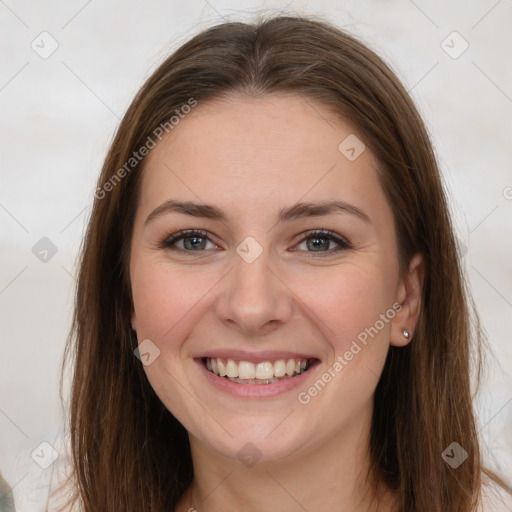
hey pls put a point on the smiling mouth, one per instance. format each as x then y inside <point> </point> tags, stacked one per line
<point>264,372</point>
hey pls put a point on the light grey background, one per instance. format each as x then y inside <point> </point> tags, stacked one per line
<point>59,114</point>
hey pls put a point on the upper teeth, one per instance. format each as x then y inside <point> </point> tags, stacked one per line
<point>249,370</point>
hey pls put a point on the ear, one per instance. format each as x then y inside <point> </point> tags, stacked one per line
<point>409,296</point>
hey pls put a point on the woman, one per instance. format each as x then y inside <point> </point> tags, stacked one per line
<point>220,363</point>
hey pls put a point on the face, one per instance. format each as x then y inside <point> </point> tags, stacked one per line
<point>259,286</point>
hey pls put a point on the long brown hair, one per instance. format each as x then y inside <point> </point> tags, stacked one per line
<point>129,452</point>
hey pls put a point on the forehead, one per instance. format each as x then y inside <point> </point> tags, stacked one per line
<point>248,130</point>
<point>240,149</point>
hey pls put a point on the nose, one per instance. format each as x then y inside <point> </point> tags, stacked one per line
<point>253,299</point>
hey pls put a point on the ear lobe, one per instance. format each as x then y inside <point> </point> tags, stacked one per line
<point>409,296</point>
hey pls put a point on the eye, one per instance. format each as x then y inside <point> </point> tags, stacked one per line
<point>193,241</point>
<point>196,240</point>
<point>322,239</point>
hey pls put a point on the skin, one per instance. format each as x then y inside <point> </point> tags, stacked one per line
<point>251,157</point>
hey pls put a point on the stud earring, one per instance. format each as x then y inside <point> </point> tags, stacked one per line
<point>405,333</point>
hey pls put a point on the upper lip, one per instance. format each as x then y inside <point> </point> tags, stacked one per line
<point>253,357</point>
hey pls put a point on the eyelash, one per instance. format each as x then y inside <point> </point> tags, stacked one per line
<point>168,243</point>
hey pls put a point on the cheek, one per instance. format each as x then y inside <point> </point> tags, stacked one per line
<point>353,309</point>
<point>163,297</point>
<point>347,300</point>
<point>166,302</point>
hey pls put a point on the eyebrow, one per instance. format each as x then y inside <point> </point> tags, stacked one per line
<point>296,211</point>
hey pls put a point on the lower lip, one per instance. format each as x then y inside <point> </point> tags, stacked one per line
<point>255,390</point>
